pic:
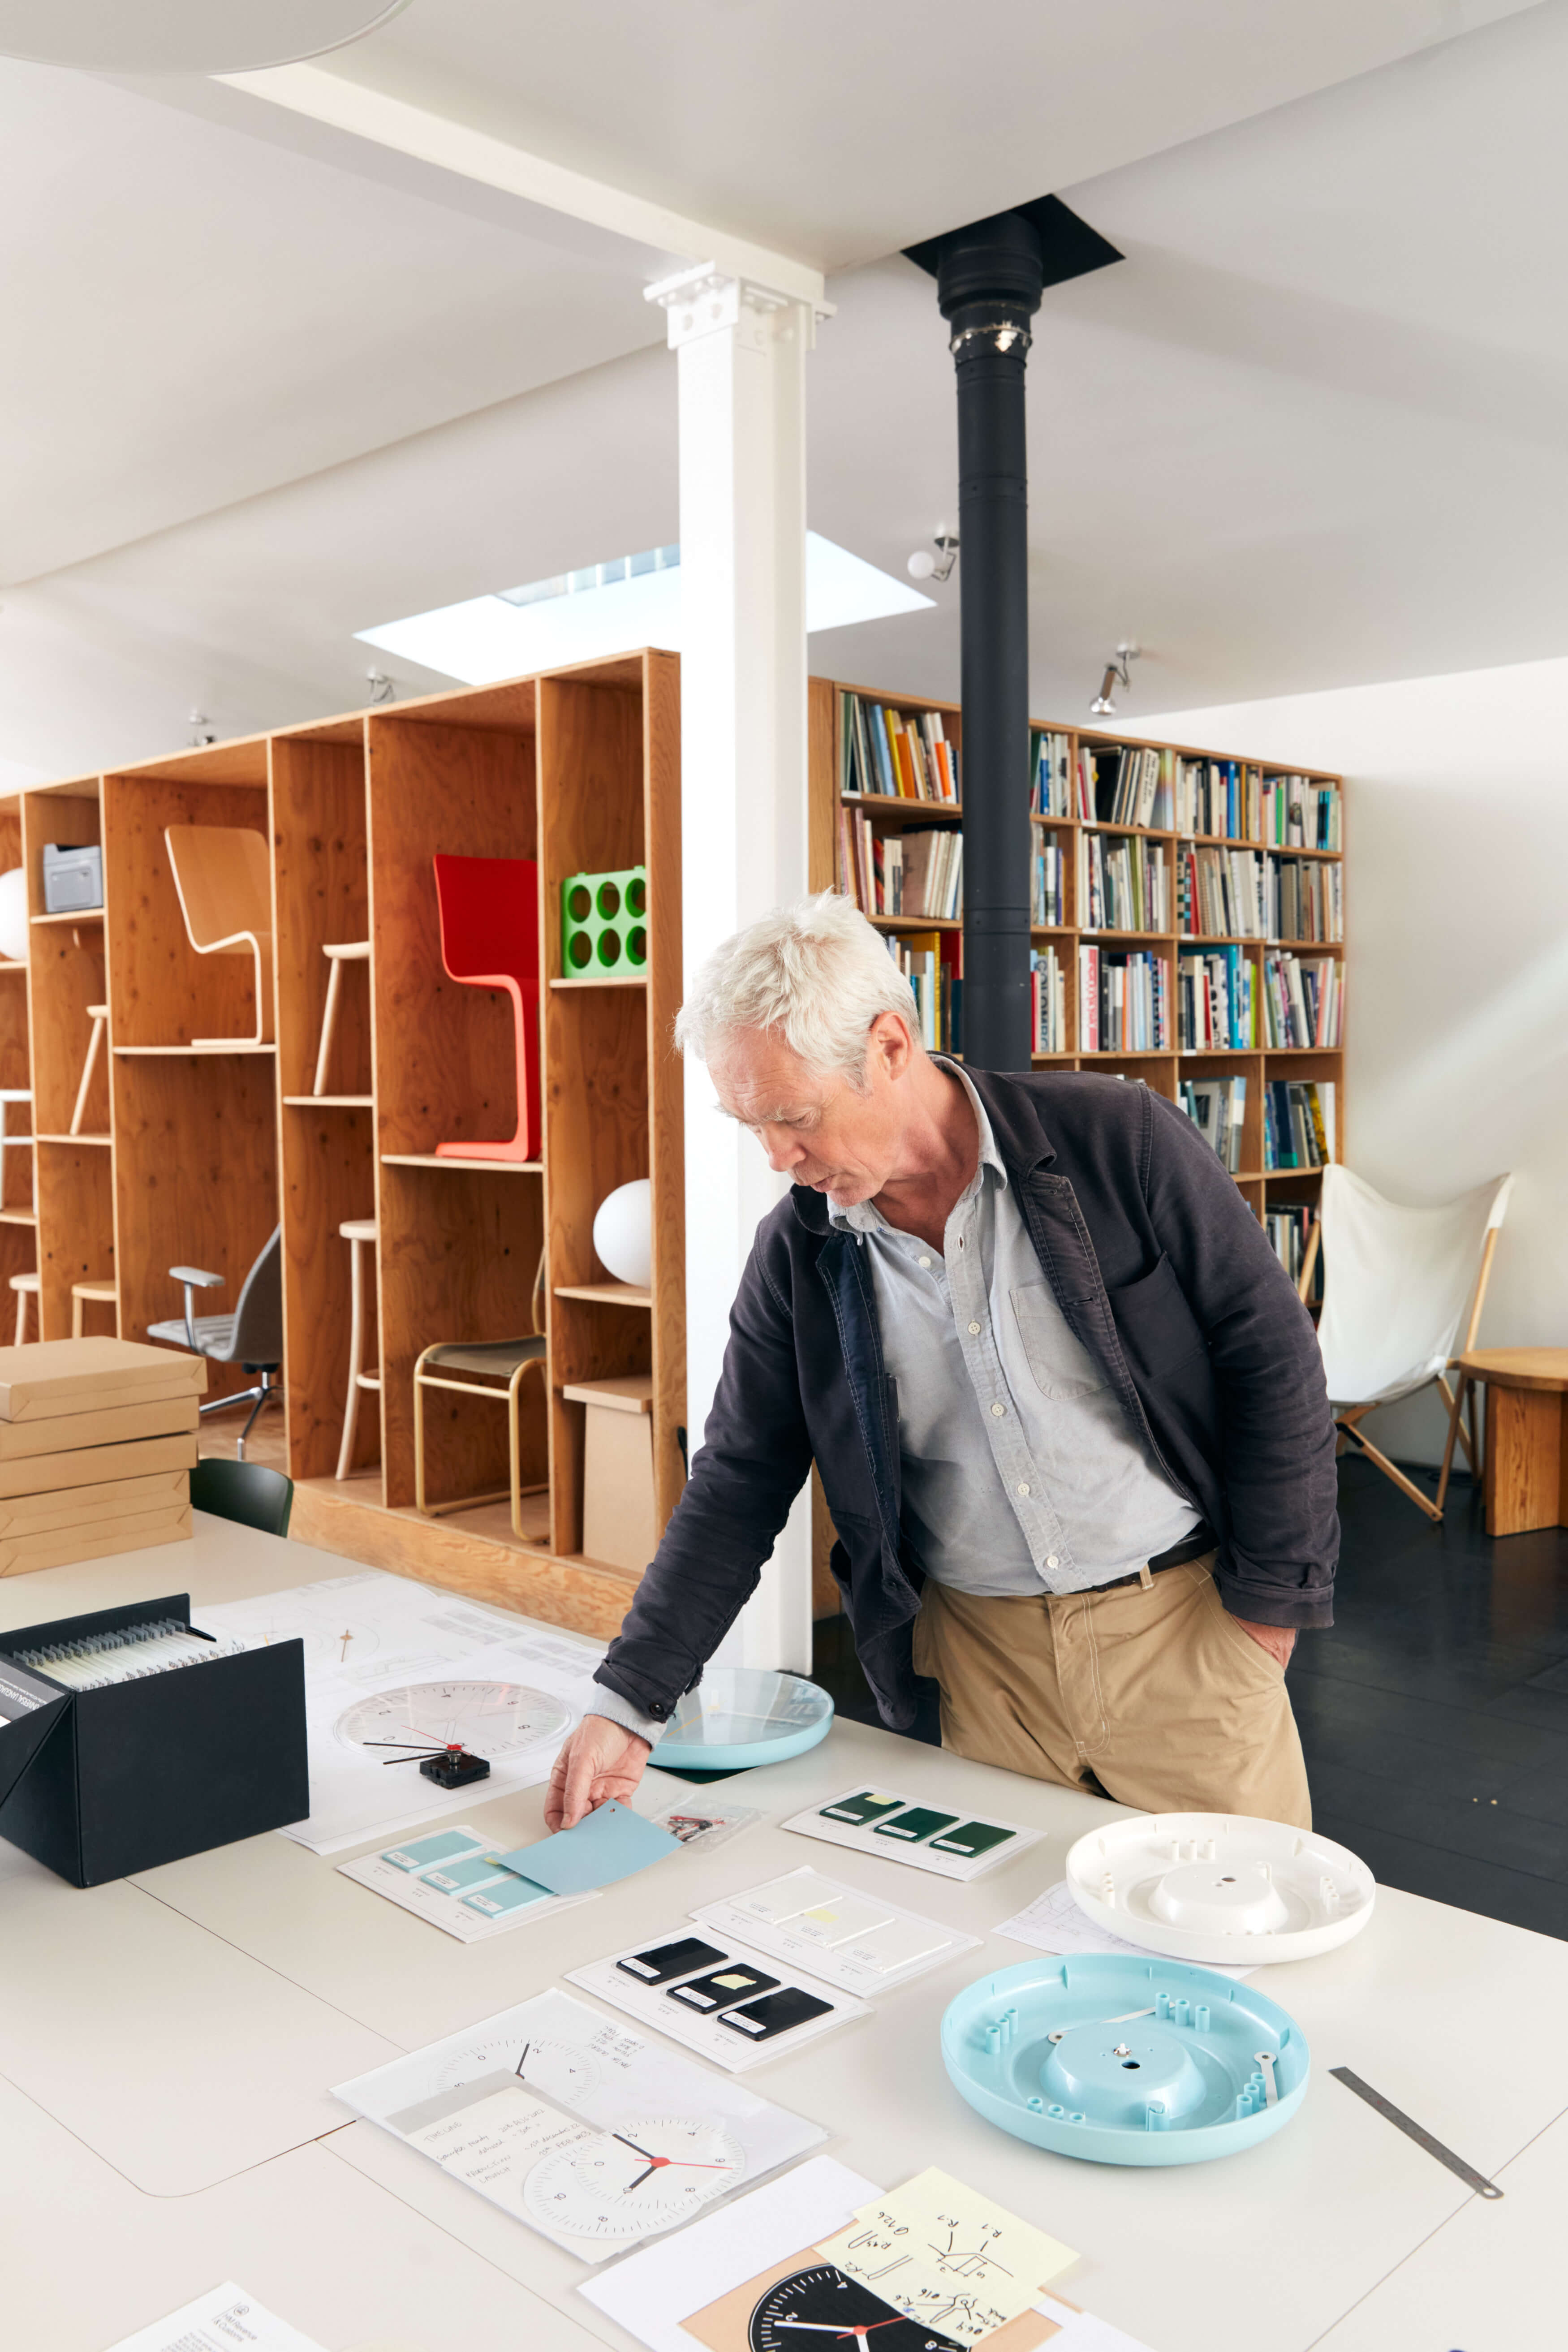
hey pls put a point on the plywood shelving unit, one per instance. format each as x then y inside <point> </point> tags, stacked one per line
<point>195,1155</point>
<point>1162,1071</point>
<point>19,1175</point>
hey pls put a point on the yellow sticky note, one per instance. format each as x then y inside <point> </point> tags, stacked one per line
<point>951,2258</point>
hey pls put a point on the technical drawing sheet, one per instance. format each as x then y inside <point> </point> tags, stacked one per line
<point>393,1669</point>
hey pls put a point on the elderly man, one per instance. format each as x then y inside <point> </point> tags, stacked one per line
<point>1068,1413</point>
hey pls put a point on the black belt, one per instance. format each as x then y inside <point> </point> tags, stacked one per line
<point>1190,1547</point>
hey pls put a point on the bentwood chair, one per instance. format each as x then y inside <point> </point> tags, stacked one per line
<point>496,1369</point>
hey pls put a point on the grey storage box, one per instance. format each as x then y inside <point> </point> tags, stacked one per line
<point>73,878</point>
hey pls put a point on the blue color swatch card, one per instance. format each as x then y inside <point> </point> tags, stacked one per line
<point>456,1880</point>
<point>611,1843</point>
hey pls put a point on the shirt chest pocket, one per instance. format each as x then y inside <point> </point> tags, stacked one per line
<point>1059,1365</point>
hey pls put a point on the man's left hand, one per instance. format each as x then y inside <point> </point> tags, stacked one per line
<point>1278,1640</point>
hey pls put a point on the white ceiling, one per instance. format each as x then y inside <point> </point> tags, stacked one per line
<point>263,385</point>
<point>841,133</point>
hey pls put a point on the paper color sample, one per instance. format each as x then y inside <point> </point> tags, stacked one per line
<point>920,1851</point>
<point>652,2292</point>
<point>609,1844</point>
<point>948,2256</point>
<point>1053,1923</point>
<point>217,2321</point>
<point>835,1932</point>
<point>704,2031</point>
<point>436,1877</point>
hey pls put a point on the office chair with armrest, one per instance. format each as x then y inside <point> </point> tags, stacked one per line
<point>251,1336</point>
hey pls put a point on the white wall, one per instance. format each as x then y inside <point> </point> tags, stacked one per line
<point>1456,989</point>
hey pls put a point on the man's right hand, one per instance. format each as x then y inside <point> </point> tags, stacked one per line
<point>601,1760</point>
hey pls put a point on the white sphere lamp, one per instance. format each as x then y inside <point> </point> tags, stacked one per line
<point>622,1233</point>
<point>14,915</point>
<point>153,37</point>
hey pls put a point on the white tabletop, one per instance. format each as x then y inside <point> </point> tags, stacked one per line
<point>1265,2252</point>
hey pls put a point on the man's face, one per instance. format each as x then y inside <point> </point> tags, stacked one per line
<point>814,1127</point>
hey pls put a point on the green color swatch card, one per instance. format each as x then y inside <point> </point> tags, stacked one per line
<point>974,1837</point>
<point>871,1805</point>
<point>919,1822</point>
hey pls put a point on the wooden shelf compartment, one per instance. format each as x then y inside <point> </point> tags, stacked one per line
<point>194,1182</point>
<point>165,996</point>
<point>457,1260</point>
<point>607,800</point>
<point>318,796</point>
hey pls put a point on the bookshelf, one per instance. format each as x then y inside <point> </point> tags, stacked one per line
<point>1205,787</point>
<point>190,1155</point>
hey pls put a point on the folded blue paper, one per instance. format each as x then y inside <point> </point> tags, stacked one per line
<point>613,1842</point>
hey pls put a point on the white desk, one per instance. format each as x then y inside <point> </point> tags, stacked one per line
<point>1265,2253</point>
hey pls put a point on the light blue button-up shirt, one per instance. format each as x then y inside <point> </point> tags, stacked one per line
<point>1021,1472</point>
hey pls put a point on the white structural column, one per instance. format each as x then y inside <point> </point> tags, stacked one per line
<point>742,351</point>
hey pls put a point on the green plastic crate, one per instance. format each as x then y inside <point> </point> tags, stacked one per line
<point>603,923</point>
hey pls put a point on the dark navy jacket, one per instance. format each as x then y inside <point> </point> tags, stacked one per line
<point>1162,1273</point>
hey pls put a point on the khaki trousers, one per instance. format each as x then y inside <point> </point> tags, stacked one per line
<point>1153,1694</point>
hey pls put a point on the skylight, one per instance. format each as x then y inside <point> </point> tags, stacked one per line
<point>610,608</point>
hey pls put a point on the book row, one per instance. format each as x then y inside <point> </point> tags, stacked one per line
<point>893,755</point>
<point>1123,1001</point>
<point>938,987</point>
<point>1248,894</point>
<point>1218,1109</point>
<point>1048,1003</point>
<point>918,874</point>
<point>1215,1004</point>
<point>1123,883</point>
<point>1303,1000</point>
<point>1288,1230</point>
<point>1297,1123</point>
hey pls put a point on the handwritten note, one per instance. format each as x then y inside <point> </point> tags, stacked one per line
<point>947,2256</point>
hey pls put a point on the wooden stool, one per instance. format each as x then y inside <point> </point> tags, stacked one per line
<point>89,1294</point>
<point>1525,1461</point>
<point>25,1286</point>
<point>359,1234</point>
<point>354,951</point>
<point>98,1015</point>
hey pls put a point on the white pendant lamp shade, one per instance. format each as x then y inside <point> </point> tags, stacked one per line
<point>154,37</point>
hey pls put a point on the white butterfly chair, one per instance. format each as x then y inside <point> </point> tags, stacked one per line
<point>1397,1281</point>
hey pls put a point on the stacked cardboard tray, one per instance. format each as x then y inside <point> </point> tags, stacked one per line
<point>97,1439</point>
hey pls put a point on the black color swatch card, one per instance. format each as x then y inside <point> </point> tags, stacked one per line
<point>667,1962</point>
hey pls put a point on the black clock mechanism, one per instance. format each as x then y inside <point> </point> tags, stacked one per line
<point>839,2313</point>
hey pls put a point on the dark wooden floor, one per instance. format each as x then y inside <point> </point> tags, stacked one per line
<point>1434,1715</point>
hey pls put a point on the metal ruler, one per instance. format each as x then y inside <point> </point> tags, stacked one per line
<point>1476,2180</point>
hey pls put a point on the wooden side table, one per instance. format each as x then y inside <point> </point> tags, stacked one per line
<point>1525,1477</point>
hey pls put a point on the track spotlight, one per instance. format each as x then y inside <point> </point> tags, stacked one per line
<point>939,566</point>
<point>1116,674</point>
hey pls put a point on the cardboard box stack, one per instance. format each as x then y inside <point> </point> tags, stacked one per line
<point>98,1440</point>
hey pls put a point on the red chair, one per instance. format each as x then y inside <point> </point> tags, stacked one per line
<point>489,938</point>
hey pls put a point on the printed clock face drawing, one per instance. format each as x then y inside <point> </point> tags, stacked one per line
<point>651,2173</point>
<point>490,1719</point>
<point>552,2067</point>
<point>824,2309</point>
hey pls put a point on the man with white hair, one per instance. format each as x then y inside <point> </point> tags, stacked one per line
<point>1068,1413</point>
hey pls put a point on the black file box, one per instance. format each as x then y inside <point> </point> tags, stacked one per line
<point>119,1779</point>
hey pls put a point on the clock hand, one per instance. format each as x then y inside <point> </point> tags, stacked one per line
<point>634,2148</point>
<point>521,2055</point>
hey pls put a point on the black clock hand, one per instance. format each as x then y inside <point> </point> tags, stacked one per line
<point>633,2145</point>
